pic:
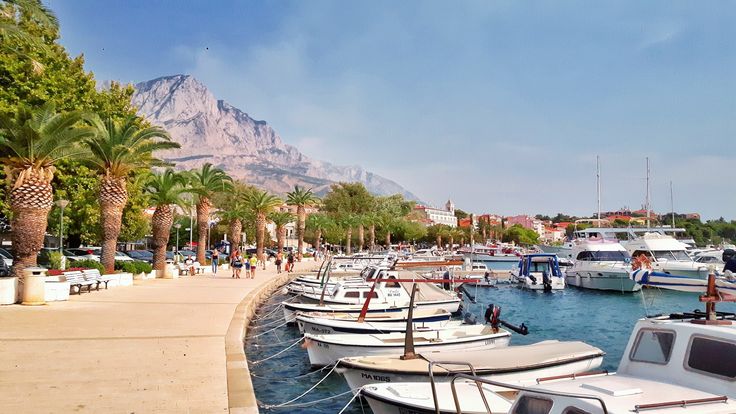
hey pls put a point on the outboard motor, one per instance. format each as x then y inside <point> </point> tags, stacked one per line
<point>492,316</point>
<point>728,254</point>
<point>469,319</point>
<point>546,281</point>
<point>533,279</point>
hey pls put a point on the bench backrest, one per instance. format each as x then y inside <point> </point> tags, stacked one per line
<point>92,274</point>
<point>74,277</point>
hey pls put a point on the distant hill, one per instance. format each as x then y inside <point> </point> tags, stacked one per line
<point>211,130</point>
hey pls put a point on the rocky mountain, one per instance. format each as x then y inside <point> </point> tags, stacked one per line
<point>211,130</point>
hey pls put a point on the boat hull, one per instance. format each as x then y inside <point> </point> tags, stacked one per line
<point>322,353</point>
<point>328,327</point>
<point>416,398</point>
<point>358,377</point>
<point>602,280</point>
<point>291,309</point>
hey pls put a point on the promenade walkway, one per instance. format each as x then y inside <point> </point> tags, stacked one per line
<point>157,346</point>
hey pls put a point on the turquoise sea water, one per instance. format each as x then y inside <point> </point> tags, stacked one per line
<point>601,319</point>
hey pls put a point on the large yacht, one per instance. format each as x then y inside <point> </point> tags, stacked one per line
<point>601,265</point>
<point>664,253</point>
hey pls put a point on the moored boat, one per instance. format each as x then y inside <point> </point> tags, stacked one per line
<point>601,265</point>
<point>331,323</point>
<point>539,271</point>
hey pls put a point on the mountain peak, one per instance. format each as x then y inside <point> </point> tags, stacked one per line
<point>212,130</point>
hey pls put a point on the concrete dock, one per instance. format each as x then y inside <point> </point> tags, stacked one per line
<point>159,346</point>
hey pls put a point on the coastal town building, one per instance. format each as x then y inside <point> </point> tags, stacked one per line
<point>526,221</point>
<point>431,215</point>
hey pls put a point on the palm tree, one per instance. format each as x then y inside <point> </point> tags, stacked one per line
<point>319,223</point>
<point>281,219</point>
<point>301,198</point>
<point>370,219</point>
<point>12,15</point>
<point>117,149</point>
<point>260,203</point>
<point>204,184</point>
<point>31,141</point>
<point>348,222</point>
<point>166,189</point>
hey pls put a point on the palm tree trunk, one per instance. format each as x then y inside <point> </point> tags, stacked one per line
<point>161,224</point>
<point>318,238</point>
<point>260,234</point>
<point>301,214</point>
<point>280,236</point>
<point>348,243</point>
<point>372,236</point>
<point>29,228</point>
<point>361,237</point>
<point>439,241</point>
<point>234,233</point>
<point>113,197</point>
<point>388,239</point>
<point>30,203</point>
<point>203,223</point>
<point>452,241</point>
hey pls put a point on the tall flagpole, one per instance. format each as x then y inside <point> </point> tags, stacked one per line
<point>598,178</point>
<point>672,203</point>
<point>649,207</point>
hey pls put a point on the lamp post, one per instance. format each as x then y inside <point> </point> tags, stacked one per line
<point>177,226</point>
<point>62,205</point>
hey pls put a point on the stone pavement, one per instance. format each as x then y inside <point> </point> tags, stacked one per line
<point>157,346</point>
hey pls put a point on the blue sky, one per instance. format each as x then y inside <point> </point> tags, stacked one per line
<point>501,106</point>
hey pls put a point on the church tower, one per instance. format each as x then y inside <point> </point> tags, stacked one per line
<point>450,206</point>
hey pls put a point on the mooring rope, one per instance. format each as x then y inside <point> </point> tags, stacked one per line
<point>276,309</point>
<point>276,354</point>
<point>306,404</point>
<point>288,341</point>
<point>267,324</point>
<point>269,331</point>
<point>298,377</point>
<point>288,403</point>
<point>355,396</point>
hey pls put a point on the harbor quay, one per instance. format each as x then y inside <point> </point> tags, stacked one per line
<point>161,345</point>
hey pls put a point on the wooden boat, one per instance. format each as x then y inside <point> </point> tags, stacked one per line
<point>507,364</point>
<point>320,323</point>
<point>327,349</point>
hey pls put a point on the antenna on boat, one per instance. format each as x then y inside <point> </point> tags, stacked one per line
<point>648,206</point>
<point>409,337</point>
<point>710,298</point>
<point>598,185</point>
<point>672,204</point>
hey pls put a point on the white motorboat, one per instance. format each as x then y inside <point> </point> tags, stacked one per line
<point>319,323</point>
<point>429,297</point>
<point>510,364</point>
<point>327,349</point>
<point>664,253</point>
<point>601,265</point>
<point>539,271</point>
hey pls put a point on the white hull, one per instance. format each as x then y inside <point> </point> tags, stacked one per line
<point>416,398</point>
<point>357,378</point>
<point>558,283</point>
<point>323,350</point>
<point>290,309</point>
<point>611,280</point>
<point>322,326</point>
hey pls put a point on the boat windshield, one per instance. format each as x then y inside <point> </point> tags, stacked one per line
<point>678,255</point>
<point>605,256</point>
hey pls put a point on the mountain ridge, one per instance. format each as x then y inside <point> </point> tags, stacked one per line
<point>212,130</point>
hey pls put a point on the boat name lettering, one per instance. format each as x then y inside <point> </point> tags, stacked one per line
<point>381,378</point>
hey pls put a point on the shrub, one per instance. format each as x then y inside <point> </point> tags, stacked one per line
<point>55,260</point>
<point>144,267</point>
<point>89,264</point>
<point>126,267</point>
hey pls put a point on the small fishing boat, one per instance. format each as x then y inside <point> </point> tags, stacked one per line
<point>321,323</point>
<point>507,364</point>
<point>327,349</point>
<point>539,271</point>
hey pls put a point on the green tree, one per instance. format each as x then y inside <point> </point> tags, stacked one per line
<point>301,198</point>
<point>31,143</point>
<point>166,189</point>
<point>520,235</point>
<point>318,223</point>
<point>204,183</point>
<point>117,149</point>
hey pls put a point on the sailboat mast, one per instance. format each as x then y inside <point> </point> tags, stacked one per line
<point>648,206</point>
<point>672,204</point>
<point>598,184</point>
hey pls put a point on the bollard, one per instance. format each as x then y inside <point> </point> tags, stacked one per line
<point>34,286</point>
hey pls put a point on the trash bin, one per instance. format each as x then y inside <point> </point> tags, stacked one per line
<point>8,290</point>
<point>34,286</point>
<point>170,272</point>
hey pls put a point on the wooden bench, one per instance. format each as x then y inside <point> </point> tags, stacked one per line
<point>76,279</point>
<point>93,275</point>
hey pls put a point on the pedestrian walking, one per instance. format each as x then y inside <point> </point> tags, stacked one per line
<point>247,266</point>
<point>215,260</point>
<point>290,260</point>
<point>279,260</point>
<point>237,264</point>
<point>253,265</point>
